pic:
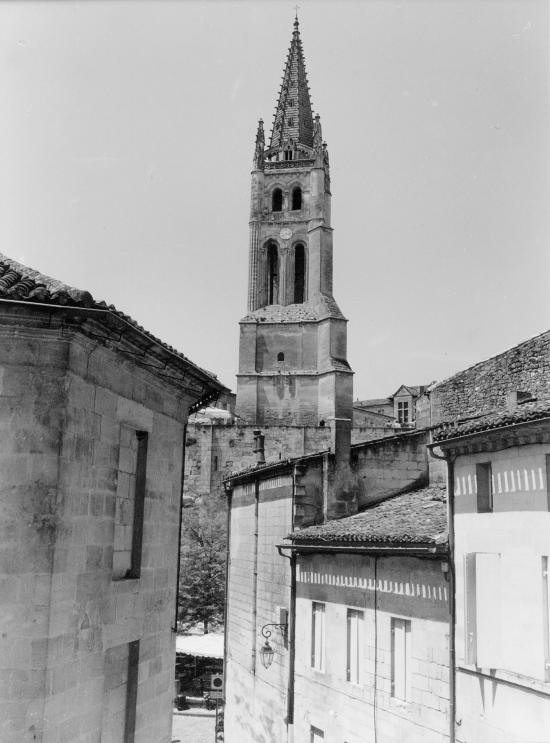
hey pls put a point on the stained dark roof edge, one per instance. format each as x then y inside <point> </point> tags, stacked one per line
<point>487,430</point>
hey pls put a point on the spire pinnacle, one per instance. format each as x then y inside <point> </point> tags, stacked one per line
<point>293,121</point>
<point>260,146</point>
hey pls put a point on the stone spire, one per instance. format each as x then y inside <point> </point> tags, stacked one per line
<point>293,121</point>
<point>260,146</point>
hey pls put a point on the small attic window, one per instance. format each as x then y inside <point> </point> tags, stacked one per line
<point>280,356</point>
<point>277,200</point>
<point>290,122</point>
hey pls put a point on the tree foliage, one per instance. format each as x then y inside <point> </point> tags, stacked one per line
<point>202,567</point>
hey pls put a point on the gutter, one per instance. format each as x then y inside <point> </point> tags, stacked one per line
<point>424,550</point>
<point>450,460</point>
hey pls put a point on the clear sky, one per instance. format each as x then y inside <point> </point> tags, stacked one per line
<point>126,141</point>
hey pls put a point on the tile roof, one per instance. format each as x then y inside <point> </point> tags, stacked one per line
<point>417,517</point>
<point>529,411</point>
<point>293,115</point>
<point>20,283</point>
<point>319,308</point>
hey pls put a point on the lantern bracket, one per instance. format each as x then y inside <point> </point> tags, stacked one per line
<point>283,629</point>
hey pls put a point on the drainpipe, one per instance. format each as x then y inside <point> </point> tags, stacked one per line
<point>226,601</point>
<point>450,460</point>
<point>291,642</point>
<point>180,520</point>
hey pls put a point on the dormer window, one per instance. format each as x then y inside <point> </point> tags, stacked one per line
<point>277,200</point>
<point>290,122</point>
<point>288,154</point>
<point>296,198</point>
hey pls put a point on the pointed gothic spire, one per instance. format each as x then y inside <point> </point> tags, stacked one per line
<point>293,120</point>
<point>260,146</point>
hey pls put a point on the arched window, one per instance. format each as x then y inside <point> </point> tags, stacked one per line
<point>272,274</point>
<point>296,198</point>
<point>280,356</point>
<point>277,200</point>
<point>299,274</point>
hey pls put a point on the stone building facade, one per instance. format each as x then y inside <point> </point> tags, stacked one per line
<point>93,410</point>
<point>383,564</point>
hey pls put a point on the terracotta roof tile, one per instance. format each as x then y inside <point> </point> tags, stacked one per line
<point>24,284</point>
<point>529,411</point>
<point>417,517</point>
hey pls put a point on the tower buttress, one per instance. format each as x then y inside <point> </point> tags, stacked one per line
<point>292,356</point>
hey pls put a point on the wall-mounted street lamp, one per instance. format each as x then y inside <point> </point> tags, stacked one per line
<point>266,651</point>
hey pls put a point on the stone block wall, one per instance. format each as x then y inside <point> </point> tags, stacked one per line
<point>484,386</point>
<point>213,452</point>
<point>259,583</point>
<point>389,466</point>
<point>65,401</point>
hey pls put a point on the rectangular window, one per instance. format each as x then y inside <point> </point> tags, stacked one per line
<point>401,659</point>
<point>484,478</point>
<point>546,615</point>
<point>316,735</point>
<point>120,683</point>
<point>354,645</point>
<point>130,501</point>
<point>318,636</point>
<point>482,623</point>
<point>548,481</point>
<point>403,412</point>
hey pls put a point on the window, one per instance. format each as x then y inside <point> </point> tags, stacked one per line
<point>546,616</point>
<point>401,659</point>
<point>120,683</point>
<point>548,480</point>
<point>482,618</point>
<point>277,200</point>
<point>288,154</point>
<point>299,274</point>
<point>403,412</point>
<point>215,464</point>
<point>272,274</point>
<point>484,480</point>
<point>130,497</point>
<point>296,198</point>
<point>354,645</point>
<point>280,356</point>
<point>316,735</point>
<point>318,636</point>
<point>290,122</point>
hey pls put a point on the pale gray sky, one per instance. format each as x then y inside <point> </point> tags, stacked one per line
<point>126,142</point>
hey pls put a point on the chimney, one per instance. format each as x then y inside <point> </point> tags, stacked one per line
<point>259,447</point>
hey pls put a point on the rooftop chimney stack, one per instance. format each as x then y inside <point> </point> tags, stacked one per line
<point>259,447</point>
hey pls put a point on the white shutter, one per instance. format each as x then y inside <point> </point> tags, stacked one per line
<point>401,658</point>
<point>488,610</point>
<point>470,632</point>
<point>318,636</point>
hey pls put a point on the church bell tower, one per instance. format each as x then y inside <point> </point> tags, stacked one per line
<point>292,354</point>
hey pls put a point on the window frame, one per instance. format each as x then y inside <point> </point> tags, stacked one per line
<point>401,642</point>
<point>353,674</point>
<point>318,636</point>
